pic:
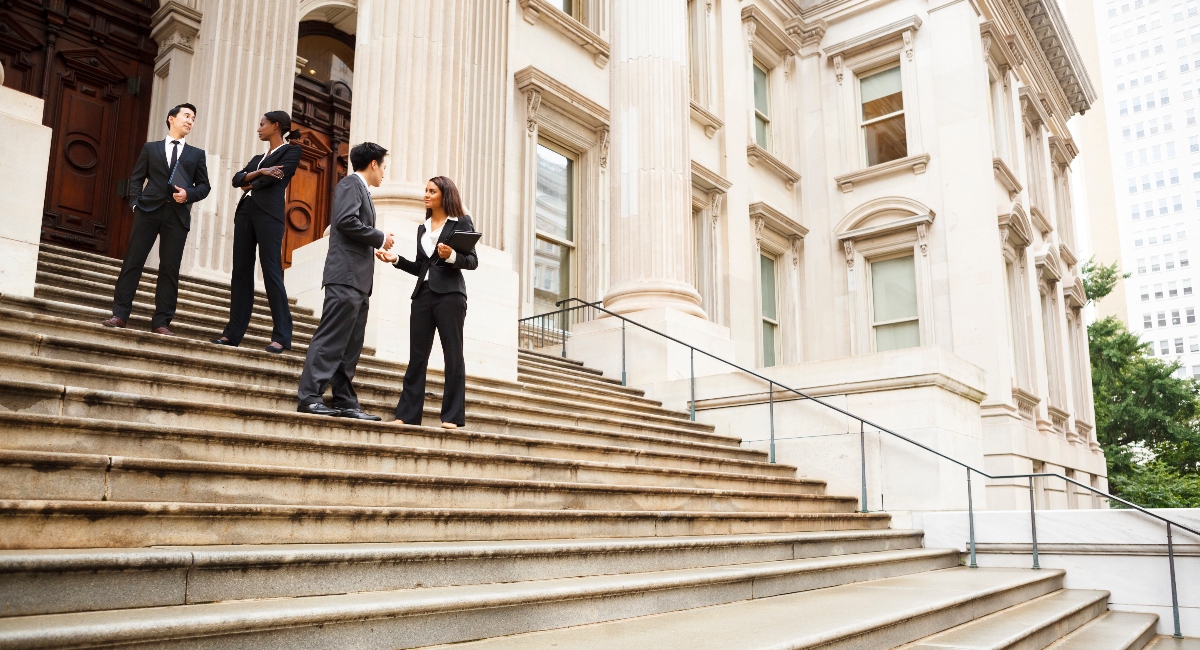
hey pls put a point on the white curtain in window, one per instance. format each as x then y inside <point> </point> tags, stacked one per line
<point>894,303</point>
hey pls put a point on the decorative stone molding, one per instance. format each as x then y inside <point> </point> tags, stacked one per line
<point>901,29</point>
<point>1067,255</point>
<point>996,54</point>
<point>1039,220</point>
<point>1054,39</point>
<point>918,222</point>
<point>533,101</point>
<point>756,154</point>
<point>708,180</point>
<point>175,26</point>
<point>603,137</point>
<point>807,34</point>
<point>1032,108</point>
<point>540,88</point>
<point>1015,228</point>
<point>710,122</point>
<point>534,10</point>
<point>1075,294</point>
<point>1026,403</point>
<point>1063,149</point>
<point>771,217</point>
<point>916,163</point>
<point>1007,178</point>
<point>1058,419</point>
<point>1049,268</point>
<point>768,40</point>
<point>300,63</point>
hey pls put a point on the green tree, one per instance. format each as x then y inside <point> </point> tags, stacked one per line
<point>1142,410</point>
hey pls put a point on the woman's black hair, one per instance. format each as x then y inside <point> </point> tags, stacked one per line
<point>284,121</point>
<point>451,201</point>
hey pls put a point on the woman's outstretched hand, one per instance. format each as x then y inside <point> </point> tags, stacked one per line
<point>385,256</point>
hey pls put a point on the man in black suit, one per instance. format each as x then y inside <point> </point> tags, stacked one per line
<point>349,274</point>
<point>168,178</point>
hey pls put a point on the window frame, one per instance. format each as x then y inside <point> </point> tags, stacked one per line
<point>900,253</point>
<point>863,124</point>
<point>573,216</point>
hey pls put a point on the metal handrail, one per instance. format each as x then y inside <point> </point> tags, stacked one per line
<point>863,422</point>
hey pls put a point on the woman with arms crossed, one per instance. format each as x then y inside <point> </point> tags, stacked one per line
<point>439,302</point>
<point>259,223</point>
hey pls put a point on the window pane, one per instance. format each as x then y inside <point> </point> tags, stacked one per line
<point>760,91</point>
<point>768,344</point>
<point>885,140</point>
<point>328,59</point>
<point>881,93</point>
<point>897,336</point>
<point>551,275</point>
<point>767,269</point>
<point>894,289</point>
<point>760,132</point>
<point>553,204</point>
<point>565,5</point>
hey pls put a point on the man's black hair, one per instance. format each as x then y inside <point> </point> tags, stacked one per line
<point>175,111</point>
<point>362,155</point>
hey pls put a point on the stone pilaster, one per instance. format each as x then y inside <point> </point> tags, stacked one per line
<point>244,66</point>
<point>651,230</point>
<point>175,27</point>
<point>432,74</point>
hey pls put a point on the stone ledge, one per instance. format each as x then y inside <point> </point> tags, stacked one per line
<point>1006,177</point>
<point>916,163</point>
<point>533,10</point>
<point>756,154</point>
<point>709,121</point>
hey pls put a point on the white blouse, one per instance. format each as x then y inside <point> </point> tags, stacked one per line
<point>429,242</point>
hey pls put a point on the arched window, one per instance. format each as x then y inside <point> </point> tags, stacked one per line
<point>329,53</point>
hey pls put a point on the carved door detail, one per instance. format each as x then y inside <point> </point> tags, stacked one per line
<point>308,196</point>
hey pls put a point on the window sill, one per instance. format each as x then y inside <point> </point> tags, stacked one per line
<point>756,154</point>
<point>571,28</point>
<point>710,122</point>
<point>1007,178</point>
<point>916,163</point>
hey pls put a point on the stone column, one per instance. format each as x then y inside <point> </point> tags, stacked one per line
<point>244,65</point>
<point>651,230</point>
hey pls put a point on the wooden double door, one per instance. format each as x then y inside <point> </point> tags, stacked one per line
<point>92,62</point>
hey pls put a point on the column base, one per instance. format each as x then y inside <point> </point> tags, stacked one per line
<point>24,160</point>
<point>655,294</point>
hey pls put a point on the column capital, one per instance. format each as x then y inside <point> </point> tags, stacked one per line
<point>175,25</point>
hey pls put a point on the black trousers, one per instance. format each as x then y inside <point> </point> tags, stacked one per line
<point>445,313</point>
<point>335,347</point>
<point>253,228</point>
<point>164,225</point>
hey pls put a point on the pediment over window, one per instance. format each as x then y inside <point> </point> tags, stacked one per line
<point>883,215</point>
<point>1015,227</point>
<point>1049,265</point>
<point>1075,294</point>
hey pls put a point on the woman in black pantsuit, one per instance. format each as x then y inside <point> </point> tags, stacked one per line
<point>439,302</point>
<point>259,223</point>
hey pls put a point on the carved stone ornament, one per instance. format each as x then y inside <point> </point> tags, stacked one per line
<point>715,199</point>
<point>751,26</point>
<point>837,67</point>
<point>923,238</point>
<point>986,39</point>
<point>908,43</point>
<point>604,148</point>
<point>760,224</point>
<point>533,101</point>
<point>1003,236</point>
<point>849,247</point>
<point>796,242</point>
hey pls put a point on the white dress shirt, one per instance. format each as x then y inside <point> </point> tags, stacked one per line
<point>429,242</point>
<point>169,146</point>
<point>265,156</point>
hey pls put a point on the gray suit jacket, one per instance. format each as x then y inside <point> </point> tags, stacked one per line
<point>352,236</point>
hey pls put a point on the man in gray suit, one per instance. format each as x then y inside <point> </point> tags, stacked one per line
<point>349,271</point>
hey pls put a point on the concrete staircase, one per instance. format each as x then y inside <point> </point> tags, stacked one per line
<point>159,491</point>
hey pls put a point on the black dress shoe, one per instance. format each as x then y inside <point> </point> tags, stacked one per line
<point>356,414</point>
<point>317,408</point>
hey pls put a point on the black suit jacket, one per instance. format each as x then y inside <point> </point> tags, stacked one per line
<point>151,185</point>
<point>352,236</point>
<point>270,193</point>
<point>443,276</point>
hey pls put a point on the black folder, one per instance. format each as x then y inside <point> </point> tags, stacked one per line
<point>464,241</point>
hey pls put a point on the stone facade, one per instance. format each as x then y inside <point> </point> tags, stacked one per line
<point>888,175</point>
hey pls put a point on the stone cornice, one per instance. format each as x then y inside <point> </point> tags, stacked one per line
<point>708,180</point>
<point>756,154</point>
<point>1063,149</point>
<point>1060,54</point>
<point>703,117</point>
<point>768,33</point>
<point>175,26</point>
<point>874,37</point>
<point>918,222</point>
<point>561,97</point>
<point>1006,177</point>
<point>1039,220</point>
<point>776,220</point>
<point>533,10</point>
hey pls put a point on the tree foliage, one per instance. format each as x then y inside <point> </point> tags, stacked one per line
<point>1146,418</point>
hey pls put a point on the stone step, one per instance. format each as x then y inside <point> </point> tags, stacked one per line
<point>1032,625</point>
<point>879,614</point>
<point>53,274</point>
<point>581,373</point>
<point>51,254</point>
<point>1163,642</point>
<point>207,320</point>
<point>26,432</point>
<point>26,524</point>
<point>29,475</point>
<point>58,399</point>
<point>1111,631</point>
<point>72,580</point>
<point>528,374</point>
<point>94,366</point>
<point>551,357</point>
<point>415,617</point>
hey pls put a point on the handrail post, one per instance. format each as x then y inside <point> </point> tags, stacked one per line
<point>862,457</point>
<point>564,332</point>
<point>771,393</point>
<point>623,352</point>
<point>693,374</point>
<point>971,519</point>
<point>1174,593</point>
<point>1033,524</point>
